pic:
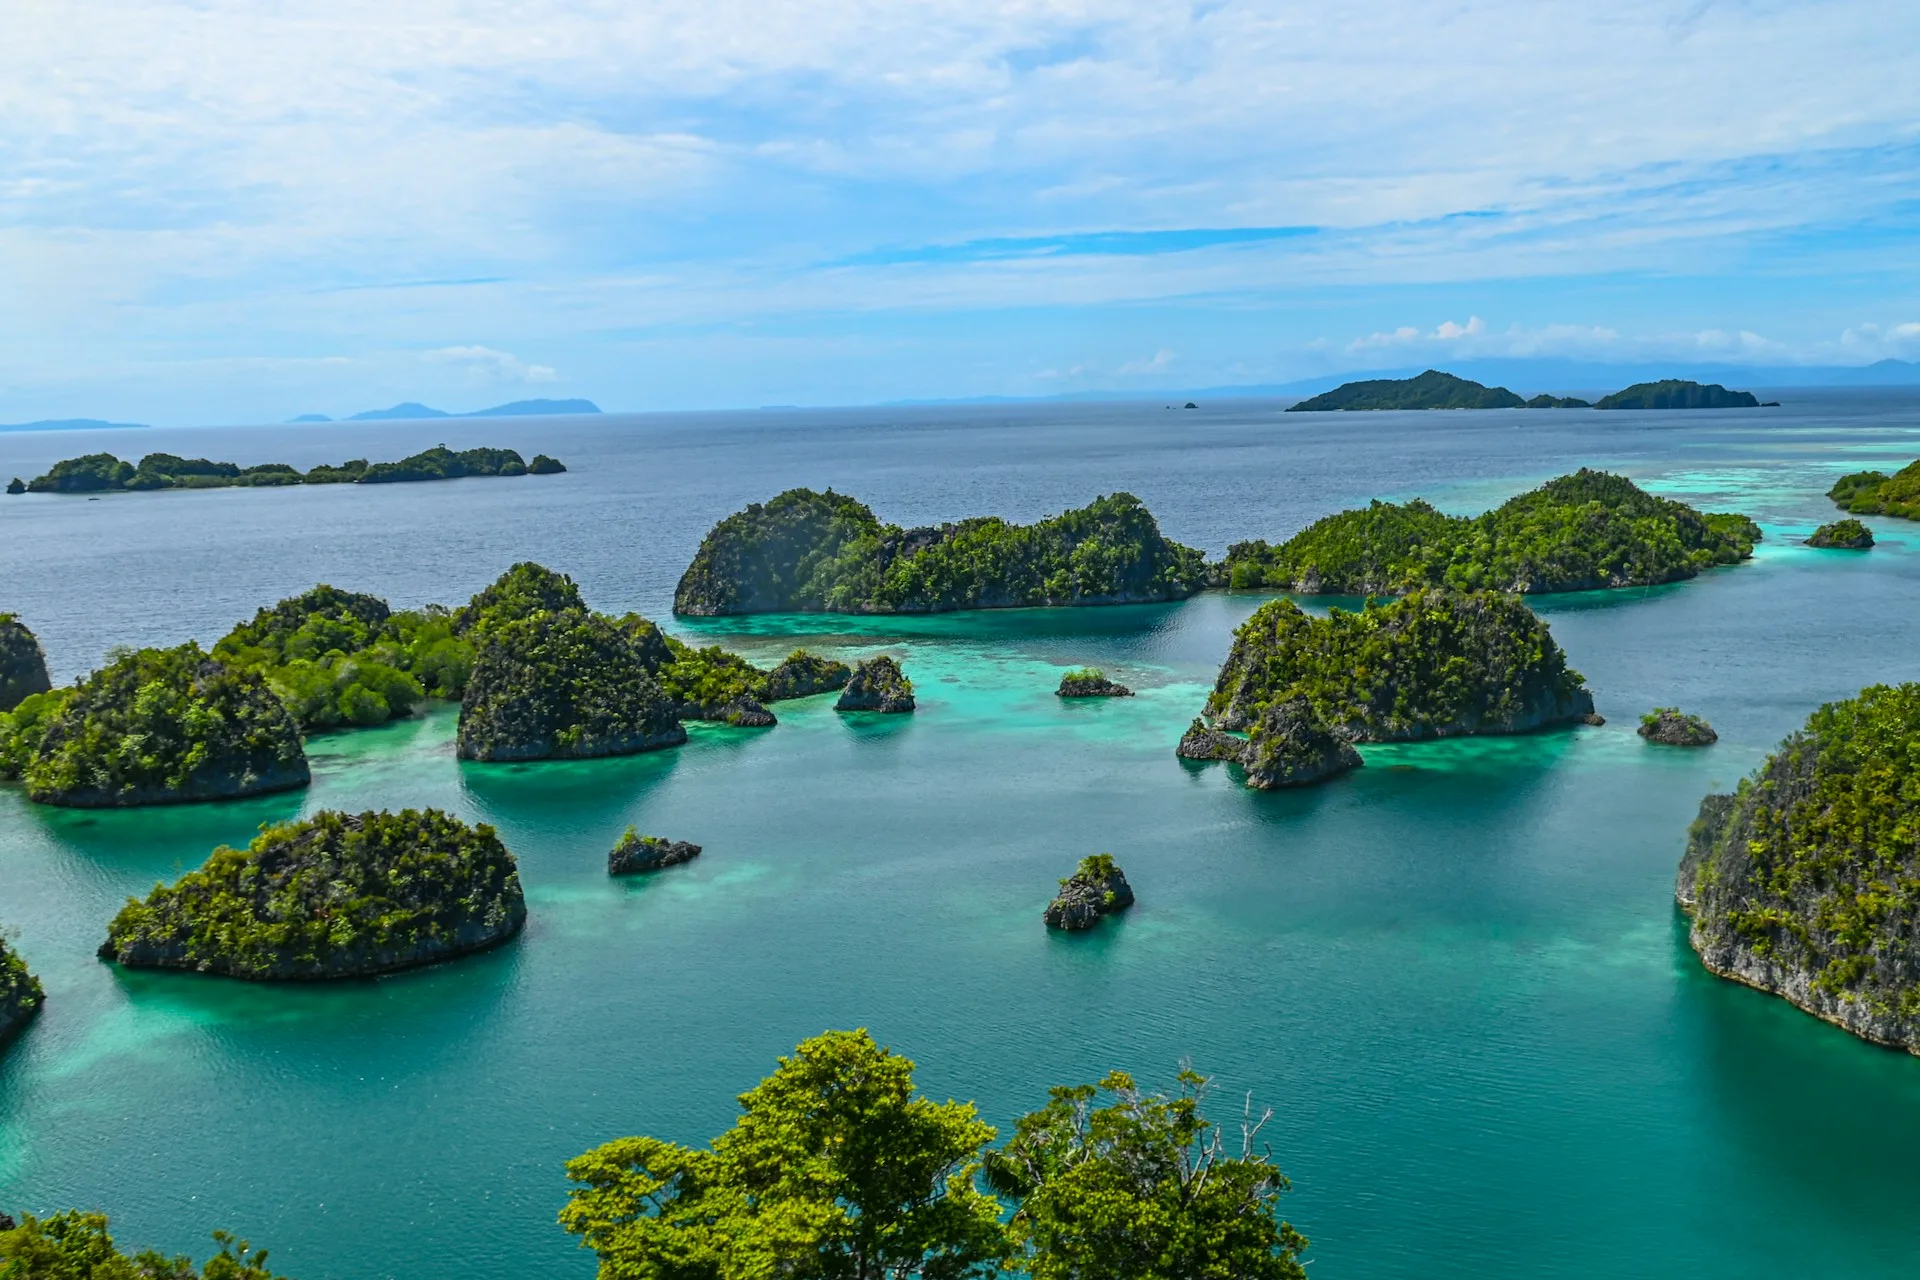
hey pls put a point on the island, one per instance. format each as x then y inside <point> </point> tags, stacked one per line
<point>413,410</point>
<point>157,726</point>
<point>1677,393</point>
<point>20,994</point>
<point>1671,727</point>
<point>1587,531</point>
<point>16,486</point>
<point>1557,402</point>
<point>1290,745</point>
<point>1805,881</point>
<point>563,685</point>
<point>878,684</point>
<point>634,853</point>
<point>1203,742</point>
<point>1874,493</point>
<point>1842,535</point>
<point>104,473</point>
<point>802,675</point>
<point>337,895</point>
<point>1096,889</point>
<point>808,552</point>
<point>1433,664</point>
<point>1090,682</point>
<point>1430,390</point>
<point>23,667</point>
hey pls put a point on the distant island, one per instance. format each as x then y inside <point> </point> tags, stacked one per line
<point>1875,493</point>
<point>1430,390</point>
<point>74,424</point>
<point>1675,393</point>
<point>1581,532</point>
<point>103,472</point>
<point>412,410</point>
<point>808,552</point>
<point>1803,881</point>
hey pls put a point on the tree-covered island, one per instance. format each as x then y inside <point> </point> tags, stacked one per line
<point>808,552</point>
<point>1585,531</point>
<point>1433,664</point>
<point>1097,888</point>
<point>334,896</point>
<point>1430,390</point>
<point>104,473</point>
<point>20,995</point>
<point>1875,493</point>
<point>154,726</point>
<point>1805,881</point>
<point>1677,393</point>
<point>1842,535</point>
<point>23,667</point>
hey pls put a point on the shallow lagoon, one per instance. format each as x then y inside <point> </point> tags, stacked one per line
<point>1457,974</point>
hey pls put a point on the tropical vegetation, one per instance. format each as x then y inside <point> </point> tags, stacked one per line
<point>1435,663</point>
<point>20,996</point>
<point>837,1170</point>
<point>825,552</point>
<point>1430,390</point>
<point>1875,493</point>
<point>1805,881</point>
<point>102,472</point>
<point>73,1245</point>
<point>23,667</point>
<point>1677,393</point>
<point>1579,532</point>
<point>334,895</point>
<point>1845,535</point>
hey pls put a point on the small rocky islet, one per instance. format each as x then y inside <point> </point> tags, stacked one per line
<point>1842,535</point>
<point>1805,881</point>
<point>336,895</point>
<point>877,684</point>
<point>20,994</point>
<point>634,853</point>
<point>1096,889</point>
<point>1090,682</point>
<point>1672,727</point>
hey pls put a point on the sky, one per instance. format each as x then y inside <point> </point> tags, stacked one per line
<point>242,210</point>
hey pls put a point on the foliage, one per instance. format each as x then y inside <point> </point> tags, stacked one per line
<point>1430,390</point>
<point>23,667</point>
<point>522,591</point>
<point>1558,402</point>
<point>97,472</point>
<point>1869,493</point>
<point>23,729</point>
<point>1432,664</point>
<point>20,995</point>
<point>1677,393</point>
<point>333,895</point>
<point>72,1245</point>
<point>1143,1187</point>
<point>1094,868</point>
<point>1813,863</point>
<point>814,552</point>
<point>877,684</point>
<point>834,1170</point>
<point>802,674</point>
<point>567,683</point>
<point>1849,534</point>
<point>1578,532</point>
<point>703,682</point>
<point>542,465</point>
<point>161,725</point>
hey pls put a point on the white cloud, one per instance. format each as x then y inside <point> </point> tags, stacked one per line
<point>1872,342</point>
<point>502,366</point>
<point>1162,359</point>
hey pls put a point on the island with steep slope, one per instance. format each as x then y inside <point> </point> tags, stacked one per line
<point>1291,745</point>
<point>878,684</point>
<point>1842,535</point>
<point>155,726</point>
<point>1805,881</point>
<point>334,896</point>
<point>1585,531</point>
<point>104,473</point>
<point>1434,664</point>
<point>1096,889</point>
<point>808,552</point>
<point>20,994</point>
<point>23,667</point>
<point>1875,493</point>
<point>1430,390</point>
<point>1677,393</point>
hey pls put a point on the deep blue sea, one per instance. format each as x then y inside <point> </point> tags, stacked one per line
<point>1457,975</point>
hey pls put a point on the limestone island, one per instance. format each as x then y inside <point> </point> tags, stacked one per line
<point>1842,535</point>
<point>878,684</point>
<point>808,552</point>
<point>803,674</point>
<point>1671,727</point>
<point>335,896</point>
<point>1090,682</point>
<point>1558,402</point>
<point>23,667</point>
<point>635,852</point>
<point>103,472</point>
<point>1805,882</point>
<point>20,994</point>
<point>1434,664</point>
<point>1430,390</point>
<point>1201,741</point>
<point>1581,532</point>
<point>1098,888</point>
<point>155,726</point>
<point>1875,493</point>
<point>1677,393</point>
<point>1290,745</point>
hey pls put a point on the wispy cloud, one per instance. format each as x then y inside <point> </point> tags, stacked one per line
<point>488,363</point>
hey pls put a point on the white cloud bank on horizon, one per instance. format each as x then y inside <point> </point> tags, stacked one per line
<point>575,180</point>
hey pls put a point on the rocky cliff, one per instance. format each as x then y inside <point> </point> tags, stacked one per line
<point>23,667</point>
<point>1097,889</point>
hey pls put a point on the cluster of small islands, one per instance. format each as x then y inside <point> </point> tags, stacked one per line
<point>96,473</point>
<point>1802,882</point>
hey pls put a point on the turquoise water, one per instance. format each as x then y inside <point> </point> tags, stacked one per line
<point>1456,975</point>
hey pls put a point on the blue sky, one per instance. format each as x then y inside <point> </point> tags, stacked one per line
<point>239,210</point>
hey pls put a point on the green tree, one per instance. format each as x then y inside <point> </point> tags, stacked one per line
<point>1143,1188</point>
<point>834,1171</point>
<point>75,1246</point>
